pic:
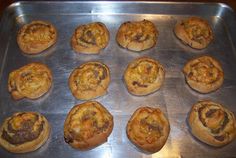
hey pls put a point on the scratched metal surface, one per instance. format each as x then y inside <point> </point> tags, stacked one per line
<point>175,98</point>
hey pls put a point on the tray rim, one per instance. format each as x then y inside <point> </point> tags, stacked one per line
<point>17,3</point>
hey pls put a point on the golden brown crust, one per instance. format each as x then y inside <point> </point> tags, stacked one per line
<point>89,80</point>
<point>30,81</point>
<point>37,36</point>
<point>212,123</point>
<point>87,125</point>
<point>148,129</point>
<point>137,35</point>
<point>144,76</point>
<point>195,32</point>
<point>90,38</point>
<point>204,74</point>
<point>24,132</point>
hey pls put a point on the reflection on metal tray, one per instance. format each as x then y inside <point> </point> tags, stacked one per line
<point>175,98</point>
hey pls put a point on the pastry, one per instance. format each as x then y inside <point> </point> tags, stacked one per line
<point>195,32</point>
<point>30,81</point>
<point>144,76</point>
<point>90,80</point>
<point>37,36</point>
<point>204,74</point>
<point>137,35</point>
<point>87,125</point>
<point>212,123</point>
<point>24,132</point>
<point>90,38</point>
<point>148,129</point>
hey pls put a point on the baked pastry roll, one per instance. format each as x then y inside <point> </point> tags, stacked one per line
<point>148,129</point>
<point>204,74</point>
<point>30,81</point>
<point>143,76</point>
<point>37,36</point>
<point>212,123</point>
<point>24,132</point>
<point>89,80</point>
<point>137,35</point>
<point>195,32</point>
<point>90,38</point>
<point>87,125</point>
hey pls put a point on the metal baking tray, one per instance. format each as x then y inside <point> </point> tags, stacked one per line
<point>175,98</point>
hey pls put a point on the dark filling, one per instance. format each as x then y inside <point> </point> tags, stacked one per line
<point>219,138</point>
<point>200,116</point>
<point>68,140</point>
<point>151,127</point>
<point>90,115</point>
<point>139,84</point>
<point>22,135</point>
<point>103,128</point>
<point>104,72</point>
<point>226,120</point>
<point>209,114</point>
<point>139,37</point>
<point>210,65</point>
<point>91,39</point>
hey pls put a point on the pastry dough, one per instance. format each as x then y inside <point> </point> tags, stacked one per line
<point>30,81</point>
<point>37,36</point>
<point>90,80</point>
<point>148,129</point>
<point>24,132</point>
<point>204,74</point>
<point>137,35</point>
<point>90,38</point>
<point>143,76</point>
<point>194,32</point>
<point>212,123</point>
<point>87,125</point>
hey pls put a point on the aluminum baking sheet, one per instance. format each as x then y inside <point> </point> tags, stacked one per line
<point>175,98</point>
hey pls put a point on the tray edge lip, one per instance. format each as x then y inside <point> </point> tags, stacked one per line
<point>17,3</point>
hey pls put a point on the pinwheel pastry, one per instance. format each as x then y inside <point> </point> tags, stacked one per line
<point>143,76</point>
<point>137,35</point>
<point>87,125</point>
<point>212,123</point>
<point>204,74</point>
<point>195,32</point>
<point>30,81</point>
<point>24,132</point>
<point>37,36</point>
<point>90,80</point>
<point>90,38</point>
<point>148,129</point>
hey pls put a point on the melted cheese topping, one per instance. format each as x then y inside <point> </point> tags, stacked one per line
<point>38,33</point>
<point>89,76</point>
<point>215,119</point>
<point>31,79</point>
<point>204,71</point>
<point>18,121</point>
<point>145,72</point>
<point>138,31</point>
<point>147,126</point>
<point>88,120</point>
<point>197,30</point>
<point>92,34</point>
